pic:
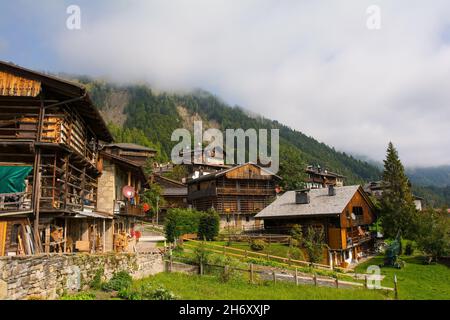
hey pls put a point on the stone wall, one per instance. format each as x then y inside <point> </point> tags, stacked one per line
<point>48,276</point>
<point>106,188</point>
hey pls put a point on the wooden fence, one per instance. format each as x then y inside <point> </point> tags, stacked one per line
<point>275,274</point>
<point>246,254</point>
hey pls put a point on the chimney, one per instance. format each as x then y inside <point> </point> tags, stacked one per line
<point>331,190</point>
<point>302,196</point>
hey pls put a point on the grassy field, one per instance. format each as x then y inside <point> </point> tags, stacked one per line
<point>192,287</point>
<point>276,249</point>
<point>416,280</point>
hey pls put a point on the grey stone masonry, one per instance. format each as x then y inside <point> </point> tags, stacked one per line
<point>48,276</point>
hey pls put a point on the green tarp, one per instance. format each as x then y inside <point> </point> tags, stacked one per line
<point>12,178</point>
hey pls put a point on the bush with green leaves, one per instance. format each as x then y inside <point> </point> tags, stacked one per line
<point>258,245</point>
<point>146,291</point>
<point>208,227</point>
<point>314,242</point>
<point>97,282</point>
<point>119,281</point>
<point>79,296</point>
<point>201,253</point>
<point>181,221</point>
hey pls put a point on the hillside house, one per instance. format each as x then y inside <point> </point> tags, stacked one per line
<point>49,137</point>
<point>322,178</point>
<point>120,188</point>
<point>344,214</point>
<point>175,195</point>
<point>133,152</point>
<point>376,188</point>
<point>237,194</point>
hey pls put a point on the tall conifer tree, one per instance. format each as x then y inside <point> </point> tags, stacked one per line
<point>398,210</point>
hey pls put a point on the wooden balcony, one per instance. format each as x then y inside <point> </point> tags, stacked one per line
<point>245,191</point>
<point>198,194</point>
<point>15,202</point>
<point>124,207</point>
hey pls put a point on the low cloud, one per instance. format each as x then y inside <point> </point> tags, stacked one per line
<point>313,65</point>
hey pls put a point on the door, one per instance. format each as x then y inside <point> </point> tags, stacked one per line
<point>3,225</point>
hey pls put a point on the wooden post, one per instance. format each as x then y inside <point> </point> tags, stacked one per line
<point>268,258</point>
<point>395,287</point>
<point>246,253</point>
<point>65,235</point>
<point>170,261</point>
<point>47,239</point>
<point>365,282</point>
<point>224,249</point>
<point>337,282</point>
<point>315,279</point>
<point>251,272</point>
<point>274,276</point>
<point>201,267</point>
<point>296,276</point>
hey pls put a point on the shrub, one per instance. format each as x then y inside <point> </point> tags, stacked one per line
<point>181,221</point>
<point>145,291</point>
<point>96,282</point>
<point>201,253</point>
<point>258,245</point>
<point>79,296</point>
<point>208,227</point>
<point>409,249</point>
<point>296,254</point>
<point>119,281</point>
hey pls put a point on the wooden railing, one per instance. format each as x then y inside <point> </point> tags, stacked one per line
<point>12,202</point>
<point>245,190</point>
<point>126,208</point>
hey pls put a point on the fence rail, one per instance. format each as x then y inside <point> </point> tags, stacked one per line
<point>247,254</point>
<point>274,274</point>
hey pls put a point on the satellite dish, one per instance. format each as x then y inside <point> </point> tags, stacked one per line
<point>353,216</point>
<point>128,192</point>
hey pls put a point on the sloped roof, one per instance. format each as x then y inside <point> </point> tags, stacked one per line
<point>129,146</point>
<point>67,89</point>
<point>320,203</point>
<point>224,171</point>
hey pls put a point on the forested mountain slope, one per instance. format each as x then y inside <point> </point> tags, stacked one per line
<point>139,114</point>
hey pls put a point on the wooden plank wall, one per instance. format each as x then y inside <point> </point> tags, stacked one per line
<point>14,86</point>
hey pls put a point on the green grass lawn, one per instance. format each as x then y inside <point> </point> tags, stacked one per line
<point>276,249</point>
<point>193,287</point>
<point>416,280</point>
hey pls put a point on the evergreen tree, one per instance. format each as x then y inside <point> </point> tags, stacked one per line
<point>397,203</point>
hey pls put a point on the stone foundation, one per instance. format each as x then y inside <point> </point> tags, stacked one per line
<point>48,276</point>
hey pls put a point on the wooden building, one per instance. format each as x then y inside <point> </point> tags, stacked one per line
<point>174,193</point>
<point>49,137</point>
<point>237,194</point>
<point>136,153</point>
<point>344,213</point>
<point>120,176</point>
<point>322,178</point>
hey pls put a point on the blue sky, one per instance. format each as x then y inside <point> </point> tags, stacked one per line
<point>313,65</point>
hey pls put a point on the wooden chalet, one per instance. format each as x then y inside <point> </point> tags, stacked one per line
<point>237,194</point>
<point>344,213</point>
<point>174,193</point>
<point>136,153</point>
<point>49,137</point>
<point>322,178</point>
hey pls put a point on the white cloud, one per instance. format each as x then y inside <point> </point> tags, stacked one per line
<point>312,65</point>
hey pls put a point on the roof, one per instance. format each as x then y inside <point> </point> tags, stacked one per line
<point>324,173</point>
<point>320,203</point>
<point>220,173</point>
<point>129,146</point>
<point>67,89</point>
<point>183,191</point>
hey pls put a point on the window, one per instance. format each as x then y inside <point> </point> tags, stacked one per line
<point>358,211</point>
<point>15,234</point>
<point>247,218</point>
<point>228,218</point>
